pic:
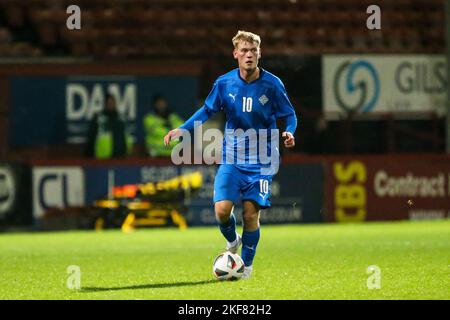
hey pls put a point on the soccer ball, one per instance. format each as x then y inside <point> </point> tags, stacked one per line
<point>228,266</point>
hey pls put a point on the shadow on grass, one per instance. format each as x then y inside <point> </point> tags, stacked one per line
<point>149,286</point>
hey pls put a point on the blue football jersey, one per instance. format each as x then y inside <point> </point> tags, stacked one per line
<point>255,105</point>
<point>250,108</point>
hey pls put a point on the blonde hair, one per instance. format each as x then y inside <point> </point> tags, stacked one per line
<point>246,36</point>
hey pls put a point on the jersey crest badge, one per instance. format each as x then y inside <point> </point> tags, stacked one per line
<point>263,99</point>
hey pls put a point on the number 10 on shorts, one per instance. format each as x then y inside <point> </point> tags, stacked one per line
<point>263,186</point>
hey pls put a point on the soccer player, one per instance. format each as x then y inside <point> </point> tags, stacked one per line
<point>252,98</point>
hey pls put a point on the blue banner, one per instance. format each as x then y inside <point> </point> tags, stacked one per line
<point>57,110</point>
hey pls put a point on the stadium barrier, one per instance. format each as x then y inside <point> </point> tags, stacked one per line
<point>79,185</point>
<point>307,189</point>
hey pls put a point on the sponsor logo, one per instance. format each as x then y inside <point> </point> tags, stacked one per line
<point>86,98</point>
<point>57,187</point>
<point>356,86</point>
<point>7,190</point>
<point>233,96</point>
<point>350,194</point>
<point>409,185</point>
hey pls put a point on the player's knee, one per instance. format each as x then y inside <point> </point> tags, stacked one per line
<point>222,216</point>
<point>251,218</point>
<point>222,213</point>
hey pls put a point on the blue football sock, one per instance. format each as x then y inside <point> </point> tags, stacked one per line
<point>250,240</point>
<point>228,228</point>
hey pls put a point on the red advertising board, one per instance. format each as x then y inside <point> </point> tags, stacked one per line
<point>375,190</point>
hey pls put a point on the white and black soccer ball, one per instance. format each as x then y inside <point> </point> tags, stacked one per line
<point>228,266</point>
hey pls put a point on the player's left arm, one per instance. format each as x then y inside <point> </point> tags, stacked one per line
<point>286,111</point>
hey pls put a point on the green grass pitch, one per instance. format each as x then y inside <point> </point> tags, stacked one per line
<point>327,261</point>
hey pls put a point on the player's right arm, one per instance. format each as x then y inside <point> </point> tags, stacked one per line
<point>201,116</point>
<point>213,104</point>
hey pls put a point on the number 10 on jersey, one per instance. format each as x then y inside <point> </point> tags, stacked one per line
<point>247,103</point>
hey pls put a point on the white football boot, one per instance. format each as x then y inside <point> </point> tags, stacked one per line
<point>247,272</point>
<point>234,246</point>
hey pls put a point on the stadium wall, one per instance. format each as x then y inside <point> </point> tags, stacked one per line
<point>54,101</point>
<point>79,185</point>
<point>307,189</point>
<point>34,98</point>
